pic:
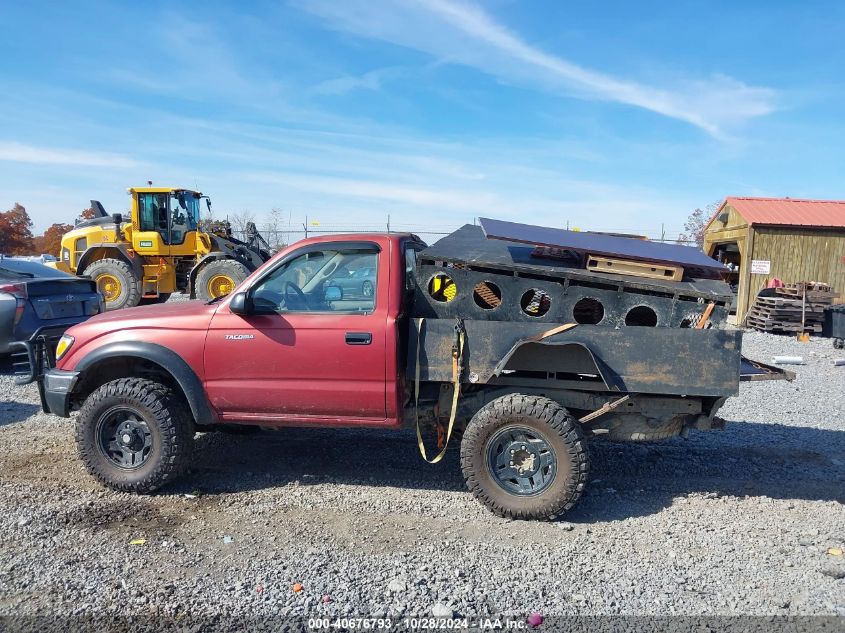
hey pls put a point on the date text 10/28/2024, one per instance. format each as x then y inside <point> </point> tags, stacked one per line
<point>425,623</point>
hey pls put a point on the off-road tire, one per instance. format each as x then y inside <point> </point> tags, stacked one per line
<point>231,268</point>
<point>557,427</point>
<point>161,298</point>
<point>130,285</point>
<point>166,415</point>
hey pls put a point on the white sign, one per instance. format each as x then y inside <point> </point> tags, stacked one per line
<point>761,266</point>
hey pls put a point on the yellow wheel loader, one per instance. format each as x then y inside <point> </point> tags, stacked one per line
<point>159,249</point>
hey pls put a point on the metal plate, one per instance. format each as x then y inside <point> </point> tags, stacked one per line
<point>752,370</point>
<point>663,361</point>
<point>468,245</point>
<point>598,244</point>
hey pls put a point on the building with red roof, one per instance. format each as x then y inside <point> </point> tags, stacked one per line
<point>790,239</point>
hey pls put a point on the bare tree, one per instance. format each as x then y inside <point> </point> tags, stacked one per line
<point>273,228</point>
<point>697,221</point>
<point>240,219</point>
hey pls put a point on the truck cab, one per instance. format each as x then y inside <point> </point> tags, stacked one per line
<point>315,336</point>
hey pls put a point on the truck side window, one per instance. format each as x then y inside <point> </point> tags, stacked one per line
<point>153,213</point>
<point>147,219</point>
<point>330,280</point>
<point>410,266</point>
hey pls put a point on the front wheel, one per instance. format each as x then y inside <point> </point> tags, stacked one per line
<point>134,435</point>
<point>219,277</point>
<point>117,282</point>
<point>524,457</point>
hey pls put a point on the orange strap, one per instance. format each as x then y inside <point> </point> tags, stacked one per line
<point>552,332</point>
<point>705,317</point>
<point>457,365</point>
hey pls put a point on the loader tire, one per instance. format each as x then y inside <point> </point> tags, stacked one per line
<point>219,277</point>
<point>525,457</point>
<point>134,435</point>
<point>117,282</point>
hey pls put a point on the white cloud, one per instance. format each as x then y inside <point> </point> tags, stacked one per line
<point>20,153</point>
<point>421,196</point>
<point>465,34</point>
<point>371,80</point>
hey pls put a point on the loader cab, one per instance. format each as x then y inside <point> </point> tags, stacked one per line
<point>165,221</point>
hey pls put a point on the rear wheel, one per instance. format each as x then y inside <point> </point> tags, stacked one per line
<point>524,457</point>
<point>134,435</point>
<point>219,277</point>
<point>117,282</point>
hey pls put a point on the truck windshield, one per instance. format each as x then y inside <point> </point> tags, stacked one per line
<point>184,215</point>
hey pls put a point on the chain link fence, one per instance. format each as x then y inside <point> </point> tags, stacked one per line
<point>278,238</point>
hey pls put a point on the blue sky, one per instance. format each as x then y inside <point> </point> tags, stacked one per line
<point>605,116</point>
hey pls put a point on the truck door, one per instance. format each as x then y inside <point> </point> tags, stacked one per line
<point>315,345</point>
<point>151,238</point>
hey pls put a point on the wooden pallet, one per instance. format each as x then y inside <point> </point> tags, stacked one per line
<point>632,268</point>
<point>783,312</point>
<point>811,290</point>
<point>785,328</point>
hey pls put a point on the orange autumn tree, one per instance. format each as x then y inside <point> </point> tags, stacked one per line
<point>15,231</point>
<point>51,242</point>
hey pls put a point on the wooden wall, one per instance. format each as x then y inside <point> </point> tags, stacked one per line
<point>736,229</point>
<point>800,254</point>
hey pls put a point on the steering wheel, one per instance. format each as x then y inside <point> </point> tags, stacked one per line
<point>301,299</point>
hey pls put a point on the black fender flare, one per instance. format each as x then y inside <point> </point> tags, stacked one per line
<point>118,251</point>
<point>168,360</point>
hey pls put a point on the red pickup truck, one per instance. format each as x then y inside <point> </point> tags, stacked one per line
<point>340,331</point>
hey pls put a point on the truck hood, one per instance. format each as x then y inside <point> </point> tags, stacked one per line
<point>189,315</point>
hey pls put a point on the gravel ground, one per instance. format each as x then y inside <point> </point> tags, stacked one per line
<point>731,522</point>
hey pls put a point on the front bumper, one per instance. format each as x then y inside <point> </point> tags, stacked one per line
<point>34,360</point>
<point>56,387</point>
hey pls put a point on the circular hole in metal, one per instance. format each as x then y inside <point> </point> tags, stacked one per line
<point>487,295</point>
<point>642,316</point>
<point>535,302</point>
<point>588,311</point>
<point>442,288</point>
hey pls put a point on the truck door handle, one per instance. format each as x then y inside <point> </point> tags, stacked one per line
<point>359,338</point>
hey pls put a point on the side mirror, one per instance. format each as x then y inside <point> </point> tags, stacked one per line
<point>208,204</point>
<point>240,304</point>
<point>333,293</point>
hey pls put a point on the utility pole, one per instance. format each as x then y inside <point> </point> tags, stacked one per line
<point>305,226</point>
<point>388,223</point>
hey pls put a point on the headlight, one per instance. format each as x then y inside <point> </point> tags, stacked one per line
<point>64,345</point>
